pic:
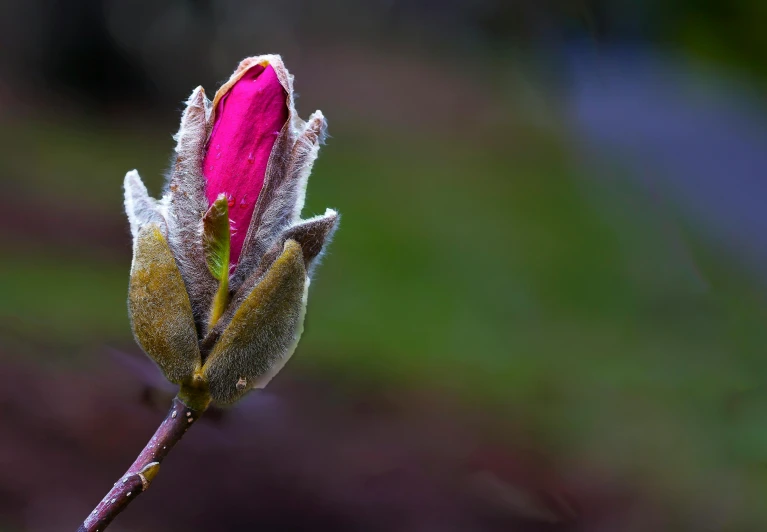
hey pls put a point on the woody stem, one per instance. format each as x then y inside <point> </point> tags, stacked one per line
<point>146,466</point>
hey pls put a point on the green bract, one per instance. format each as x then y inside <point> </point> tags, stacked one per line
<point>161,315</point>
<point>263,332</point>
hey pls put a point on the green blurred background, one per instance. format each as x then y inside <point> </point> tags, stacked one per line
<point>537,265</point>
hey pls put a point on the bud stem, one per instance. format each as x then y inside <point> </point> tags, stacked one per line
<point>139,475</point>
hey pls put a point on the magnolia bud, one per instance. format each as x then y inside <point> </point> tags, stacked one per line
<point>222,263</point>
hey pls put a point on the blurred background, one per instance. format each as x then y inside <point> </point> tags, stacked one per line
<point>544,309</point>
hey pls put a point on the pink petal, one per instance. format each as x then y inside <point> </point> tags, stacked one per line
<point>248,120</point>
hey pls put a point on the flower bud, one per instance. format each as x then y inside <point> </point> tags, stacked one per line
<point>222,263</point>
<point>248,118</point>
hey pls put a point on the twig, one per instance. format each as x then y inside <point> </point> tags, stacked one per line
<point>136,480</point>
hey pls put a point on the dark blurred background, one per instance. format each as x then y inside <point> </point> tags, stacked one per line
<point>544,310</point>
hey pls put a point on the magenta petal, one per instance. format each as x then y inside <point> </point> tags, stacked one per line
<point>248,120</point>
